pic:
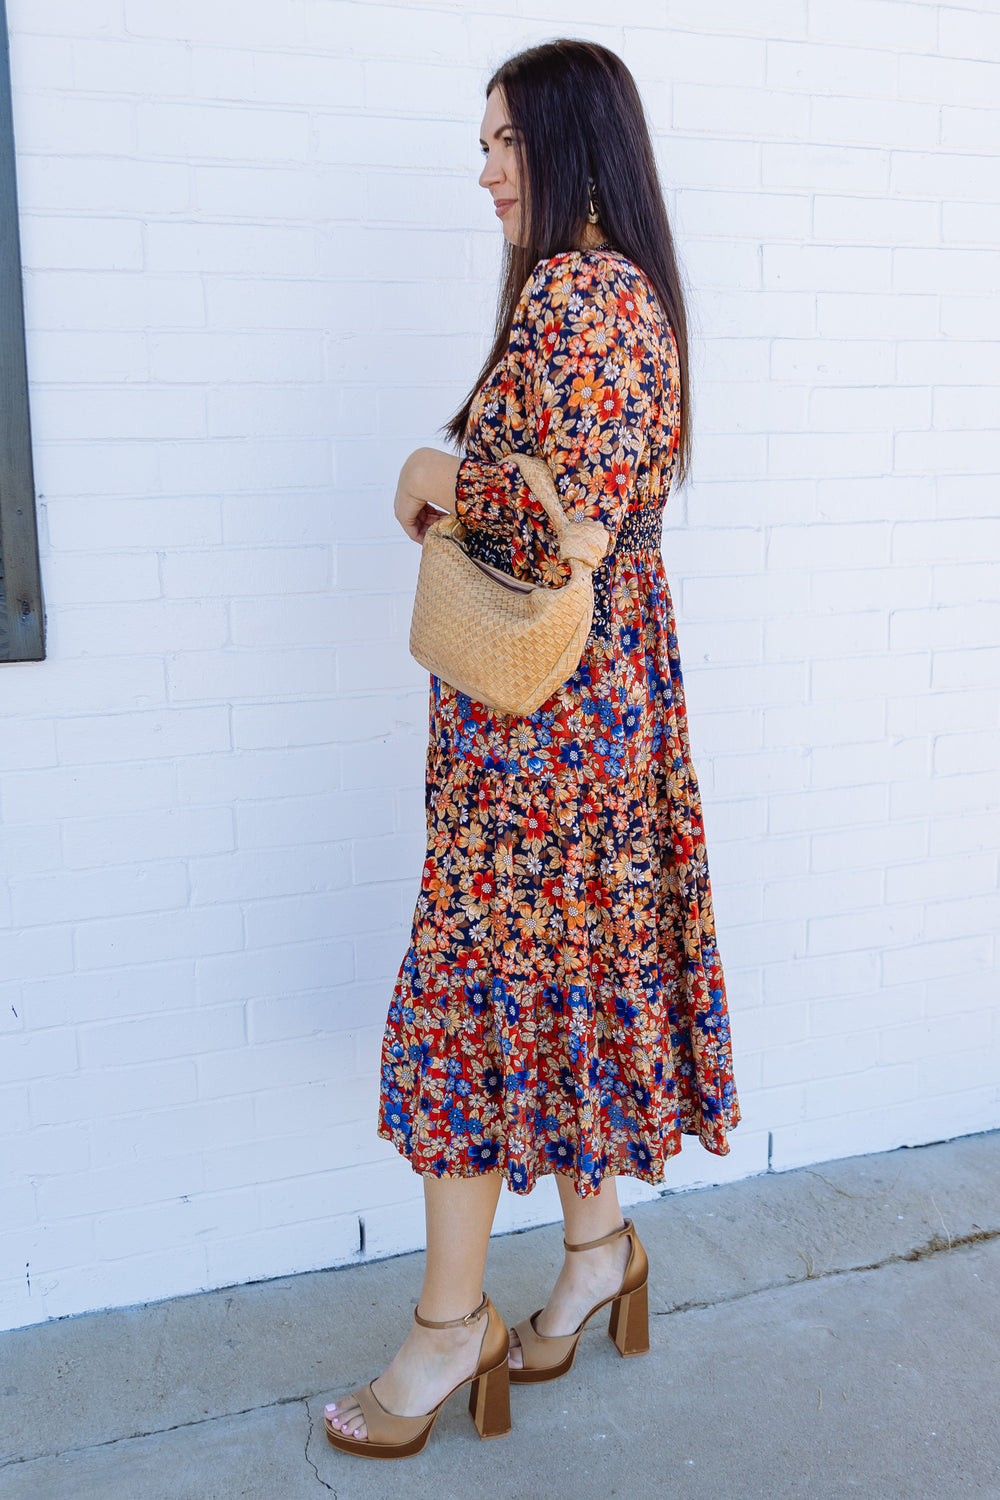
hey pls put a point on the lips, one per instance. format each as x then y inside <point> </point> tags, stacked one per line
<point>501,205</point>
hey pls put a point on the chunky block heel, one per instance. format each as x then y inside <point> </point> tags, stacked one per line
<point>489,1402</point>
<point>628,1325</point>
<point>547,1356</point>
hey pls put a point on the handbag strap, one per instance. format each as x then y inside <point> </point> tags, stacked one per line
<point>587,540</point>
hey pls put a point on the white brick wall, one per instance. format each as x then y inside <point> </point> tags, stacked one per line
<point>258,272</point>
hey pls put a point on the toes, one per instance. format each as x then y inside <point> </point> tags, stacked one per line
<point>515,1359</point>
<point>346,1417</point>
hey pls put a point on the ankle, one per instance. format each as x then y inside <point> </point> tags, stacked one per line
<point>591,1242</point>
<point>595,1238</point>
<point>443,1316</point>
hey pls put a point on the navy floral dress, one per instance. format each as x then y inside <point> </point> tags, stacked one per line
<point>561,1005</point>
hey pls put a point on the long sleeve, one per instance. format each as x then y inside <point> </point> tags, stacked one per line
<point>585,378</point>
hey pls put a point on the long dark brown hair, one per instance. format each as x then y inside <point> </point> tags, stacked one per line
<point>577,118</point>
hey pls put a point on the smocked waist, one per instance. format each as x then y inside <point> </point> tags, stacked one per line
<point>641,530</point>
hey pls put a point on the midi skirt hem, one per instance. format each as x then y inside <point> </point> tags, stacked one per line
<point>626,1159</point>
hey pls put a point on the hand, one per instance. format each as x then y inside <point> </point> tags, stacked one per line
<point>425,491</point>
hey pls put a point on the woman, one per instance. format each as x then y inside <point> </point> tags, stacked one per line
<point>561,1007</point>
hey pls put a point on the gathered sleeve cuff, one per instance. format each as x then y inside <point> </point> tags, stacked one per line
<point>491,496</point>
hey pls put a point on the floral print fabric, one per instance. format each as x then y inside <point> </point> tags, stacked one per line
<point>561,1005</point>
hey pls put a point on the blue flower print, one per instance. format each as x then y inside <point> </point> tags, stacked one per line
<point>477,998</point>
<point>580,1001</point>
<point>625,1010</point>
<point>512,1009</point>
<point>561,1152</point>
<point>492,1080</point>
<point>710,1019</point>
<point>552,997</point>
<point>640,1154</point>
<point>587,1165</point>
<point>632,720</point>
<point>485,1155</point>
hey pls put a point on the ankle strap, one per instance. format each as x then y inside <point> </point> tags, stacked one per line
<point>471,1317</point>
<point>604,1240</point>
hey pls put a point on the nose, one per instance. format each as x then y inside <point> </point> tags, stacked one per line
<point>492,172</point>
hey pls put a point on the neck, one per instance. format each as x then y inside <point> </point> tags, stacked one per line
<point>593,235</point>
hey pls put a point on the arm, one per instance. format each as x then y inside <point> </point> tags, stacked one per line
<point>588,351</point>
<point>425,491</point>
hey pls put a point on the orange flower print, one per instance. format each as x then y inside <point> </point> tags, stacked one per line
<point>550,335</point>
<point>584,394</point>
<point>618,478</point>
<point>600,336</point>
<point>610,404</point>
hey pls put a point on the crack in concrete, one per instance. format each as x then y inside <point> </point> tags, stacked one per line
<point>309,1418</point>
<point>936,1245</point>
<point>130,1437</point>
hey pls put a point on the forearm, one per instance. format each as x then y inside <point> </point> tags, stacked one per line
<point>430,475</point>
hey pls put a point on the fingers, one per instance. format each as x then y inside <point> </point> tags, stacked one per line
<point>416,527</point>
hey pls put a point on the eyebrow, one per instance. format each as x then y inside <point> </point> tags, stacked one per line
<point>496,134</point>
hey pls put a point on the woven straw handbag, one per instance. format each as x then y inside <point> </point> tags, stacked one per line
<point>505,642</point>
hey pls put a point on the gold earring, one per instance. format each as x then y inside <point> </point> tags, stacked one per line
<point>592,214</point>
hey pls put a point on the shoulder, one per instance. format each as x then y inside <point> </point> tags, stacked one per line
<point>584,282</point>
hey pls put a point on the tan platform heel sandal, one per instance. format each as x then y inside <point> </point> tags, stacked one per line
<point>392,1436</point>
<point>547,1356</point>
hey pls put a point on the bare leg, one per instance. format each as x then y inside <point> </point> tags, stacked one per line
<point>431,1361</point>
<point>587,1276</point>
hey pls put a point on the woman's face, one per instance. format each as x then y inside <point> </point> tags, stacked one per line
<point>500,170</point>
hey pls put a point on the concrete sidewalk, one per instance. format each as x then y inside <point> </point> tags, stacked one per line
<point>816,1334</point>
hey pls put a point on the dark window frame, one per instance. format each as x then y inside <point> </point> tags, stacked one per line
<point>22,623</point>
